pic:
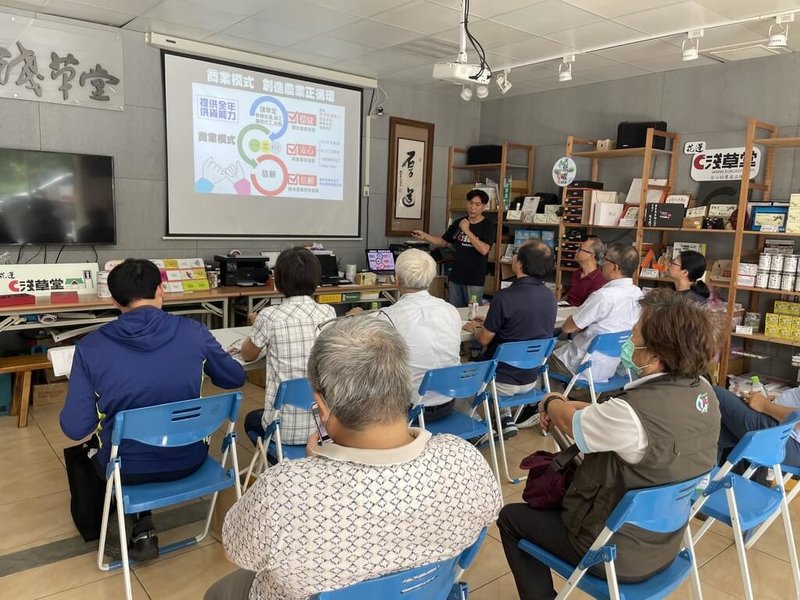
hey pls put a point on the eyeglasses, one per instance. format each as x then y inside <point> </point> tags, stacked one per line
<point>675,263</point>
<point>585,250</point>
<point>608,260</point>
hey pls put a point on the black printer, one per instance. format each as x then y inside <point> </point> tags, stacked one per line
<point>243,270</point>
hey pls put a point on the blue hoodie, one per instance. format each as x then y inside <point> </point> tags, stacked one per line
<point>144,358</point>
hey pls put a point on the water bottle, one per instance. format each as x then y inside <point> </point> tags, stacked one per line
<point>473,307</point>
<point>757,387</point>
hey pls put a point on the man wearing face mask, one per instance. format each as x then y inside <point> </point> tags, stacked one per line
<point>661,429</point>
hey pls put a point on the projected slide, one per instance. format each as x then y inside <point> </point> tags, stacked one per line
<point>256,153</point>
<point>256,144</point>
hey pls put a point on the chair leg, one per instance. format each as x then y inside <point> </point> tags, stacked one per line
<point>590,381</point>
<point>123,535</point>
<point>739,543</point>
<point>756,534</point>
<point>16,395</point>
<point>611,577</point>
<point>787,525</point>
<point>101,547</point>
<point>502,440</point>
<point>257,464</point>
<point>697,591</point>
<point>24,399</point>
<point>492,449</point>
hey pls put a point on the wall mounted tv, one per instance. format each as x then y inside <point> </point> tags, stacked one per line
<point>56,198</point>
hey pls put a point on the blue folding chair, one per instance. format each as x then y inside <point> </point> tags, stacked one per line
<point>745,505</point>
<point>531,354</point>
<point>789,472</point>
<point>609,344</point>
<point>298,393</point>
<point>168,426</point>
<point>460,381</point>
<point>436,581</point>
<point>660,509</point>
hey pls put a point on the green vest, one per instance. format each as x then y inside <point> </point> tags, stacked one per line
<point>681,418</point>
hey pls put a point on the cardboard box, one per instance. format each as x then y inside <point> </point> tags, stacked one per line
<point>49,393</point>
<point>257,377</point>
<point>746,281</point>
<point>787,308</point>
<point>772,325</point>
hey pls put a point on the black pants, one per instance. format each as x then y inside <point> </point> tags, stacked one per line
<point>545,529</point>
<point>437,413</point>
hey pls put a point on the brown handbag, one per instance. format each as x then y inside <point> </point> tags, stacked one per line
<point>549,477</point>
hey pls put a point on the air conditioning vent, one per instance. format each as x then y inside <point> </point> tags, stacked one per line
<point>733,53</point>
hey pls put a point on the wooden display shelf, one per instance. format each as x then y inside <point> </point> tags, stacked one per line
<point>576,226</point>
<point>664,279</point>
<point>787,142</point>
<point>620,153</point>
<point>740,288</point>
<point>771,233</point>
<point>689,230</point>
<point>760,337</point>
<point>487,166</point>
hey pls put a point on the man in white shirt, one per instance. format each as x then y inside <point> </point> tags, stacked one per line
<point>614,307</point>
<point>382,497</point>
<point>430,326</point>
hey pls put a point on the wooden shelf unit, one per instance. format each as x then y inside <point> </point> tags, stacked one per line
<point>647,153</point>
<point>524,156</point>
<point>771,143</point>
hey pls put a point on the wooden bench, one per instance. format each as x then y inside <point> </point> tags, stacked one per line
<point>23,367</point>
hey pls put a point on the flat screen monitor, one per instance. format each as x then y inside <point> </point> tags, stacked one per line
<point>380,261</point>
<point>56,198</point>
<point>328,265</point>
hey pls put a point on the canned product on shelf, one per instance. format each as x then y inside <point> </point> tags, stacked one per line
<point>764,262</point>
<point>787,282</point>
<point>762,280</point>
<point>790,263</point>
<point>777,262</point>
<point>774,282</point>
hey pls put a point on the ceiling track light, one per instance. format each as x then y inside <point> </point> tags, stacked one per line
<point>690,47</point>
<point>481,91</point>
<point>466,93</point>
<point>778,36</point>
<point>502,81</point>
<point>565,68</point>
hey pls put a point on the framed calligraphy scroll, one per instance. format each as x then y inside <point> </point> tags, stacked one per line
<point>408,191</point>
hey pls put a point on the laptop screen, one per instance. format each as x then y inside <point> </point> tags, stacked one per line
<point>380,260</point>
<point>328,264</point>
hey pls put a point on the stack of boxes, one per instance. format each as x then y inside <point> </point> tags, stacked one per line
<point>784,323</point>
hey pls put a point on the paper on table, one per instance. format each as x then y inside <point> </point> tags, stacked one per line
<point>61,357</point>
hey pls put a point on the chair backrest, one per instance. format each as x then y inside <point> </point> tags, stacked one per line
<point>429,582</point>
<point>609,344</point>
<point>296,392</point>
<point>765,447</point>
<point>661,509</point>
<point>525,355</point>
<point>459,381</point>
<point>176,423</point>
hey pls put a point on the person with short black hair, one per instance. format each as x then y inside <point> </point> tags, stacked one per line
<point>145,358</point>
<point>524,311</point>
<point>588,278</point>
<point>685,271</point>
<point>286,332</point>
<point>471,238</point>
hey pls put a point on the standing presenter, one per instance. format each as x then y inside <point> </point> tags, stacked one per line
<point>471,237</point>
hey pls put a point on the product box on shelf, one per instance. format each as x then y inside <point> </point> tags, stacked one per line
<point>787,308</point>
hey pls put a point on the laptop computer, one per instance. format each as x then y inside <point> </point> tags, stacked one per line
<point>380,261</point>
<point>330,270</point>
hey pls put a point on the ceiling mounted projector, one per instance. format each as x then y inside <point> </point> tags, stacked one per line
<point>461,73</point>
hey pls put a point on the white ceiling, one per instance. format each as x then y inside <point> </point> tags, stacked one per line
<point>399,40</point>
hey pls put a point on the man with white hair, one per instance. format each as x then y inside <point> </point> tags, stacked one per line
<point>382,497</point>
<point>430,326</point>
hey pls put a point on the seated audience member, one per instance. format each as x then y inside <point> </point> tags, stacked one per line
<point>752,412</point>
<point>662,429</point>
<point>145,358</point>
<point>589,277</point>
<point>685,271</point>
<point>430,327</point>
<point>526,310</point>
<point>614,307</point>
<point>353,509</point>
<point>287,331</point>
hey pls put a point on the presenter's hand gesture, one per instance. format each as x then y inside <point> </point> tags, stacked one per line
<point>463,224</point>
<point>418,234</point>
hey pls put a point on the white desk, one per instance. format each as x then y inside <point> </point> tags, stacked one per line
<point>563,313</point>
<point>231,335</point>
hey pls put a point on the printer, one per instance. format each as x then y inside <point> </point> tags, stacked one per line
<point>243,270</point>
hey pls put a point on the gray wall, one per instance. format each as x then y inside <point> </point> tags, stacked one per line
<point>135,138</point>
<point>711,103</point>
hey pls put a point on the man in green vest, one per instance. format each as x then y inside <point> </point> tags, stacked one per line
<point>661,429</point>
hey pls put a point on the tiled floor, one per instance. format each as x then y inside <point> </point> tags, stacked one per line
<point>34,511</point>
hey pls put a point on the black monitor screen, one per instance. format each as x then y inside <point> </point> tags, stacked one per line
<point>56,198</point>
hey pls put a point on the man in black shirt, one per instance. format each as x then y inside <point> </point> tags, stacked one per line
<point>524,311</point>
<point>471,237</point>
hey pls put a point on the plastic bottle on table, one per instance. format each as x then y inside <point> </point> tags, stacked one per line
<point>473,307</point>
<point>757,387</point>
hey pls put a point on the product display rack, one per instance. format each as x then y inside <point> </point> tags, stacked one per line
<point>769,143</point>
<point>516,162</point>
<point>648,154</point>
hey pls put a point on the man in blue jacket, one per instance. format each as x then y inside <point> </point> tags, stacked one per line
<point>145,358</point>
